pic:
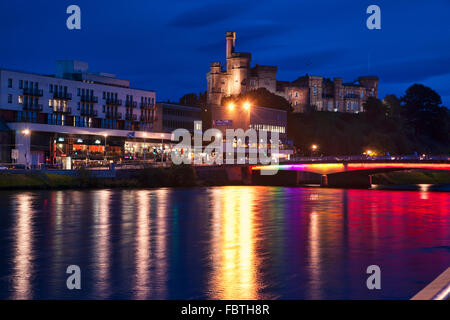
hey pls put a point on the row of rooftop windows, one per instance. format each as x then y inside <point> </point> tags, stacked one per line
<point>81,121</point>
<point>25,84</point>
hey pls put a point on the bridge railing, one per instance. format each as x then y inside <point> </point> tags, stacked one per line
<point>374,158</point>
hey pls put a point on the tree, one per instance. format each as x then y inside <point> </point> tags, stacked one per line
<point>189,99</point>
<point>423,111</point>
<point>374,108</point>
<point>393,105</point>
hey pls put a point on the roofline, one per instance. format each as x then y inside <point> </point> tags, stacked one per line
<point>77,81</point>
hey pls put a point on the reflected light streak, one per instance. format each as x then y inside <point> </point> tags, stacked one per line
<point>23,258</point>
<point>314,255</point>
<point>102,240</point>
<point>161,250</point>
<point>143,246</point>
<point>233,248</point>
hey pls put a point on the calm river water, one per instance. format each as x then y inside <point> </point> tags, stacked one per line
<point>222,243</point>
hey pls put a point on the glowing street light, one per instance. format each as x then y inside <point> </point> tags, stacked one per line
<point>162,148</point>
<point>105,136</point>
<point>231,106</point>
<point>247,106</point>
<point>145,136</point>
<point>26,132</point>
<point>314,148</point>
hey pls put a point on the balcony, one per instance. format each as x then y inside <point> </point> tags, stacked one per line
<point>131,117</point>
<point>33,92</point>
<point>145,119</point>
<point>131,103</point>
<point>89,99</point>
<point>62,95</point>
<point>113,115</point>
<point>32,107</point>
<point>146,105</point>
<point>63,110</point>
<point>113,101</point>
<point>89,113</point>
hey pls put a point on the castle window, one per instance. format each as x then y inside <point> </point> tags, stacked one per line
<point>9,83</point>
<point>315,90</point>
<point>296,94</point>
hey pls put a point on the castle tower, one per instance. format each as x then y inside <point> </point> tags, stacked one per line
<point>338,94</point>
<point>231,38</point>
<point>214,89</point>
<point>371,84</point>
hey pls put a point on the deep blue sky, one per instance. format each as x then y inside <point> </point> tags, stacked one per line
<point>167,45</point>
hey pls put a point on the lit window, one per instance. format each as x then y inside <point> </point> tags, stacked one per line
<point>20,99</point>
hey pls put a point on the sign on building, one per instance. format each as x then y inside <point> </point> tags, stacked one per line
<point>222,122</point>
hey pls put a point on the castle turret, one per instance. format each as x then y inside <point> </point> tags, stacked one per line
<point>231,37</point>
<point>371,85</point>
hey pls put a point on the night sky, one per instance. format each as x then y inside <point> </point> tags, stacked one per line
<point>167,46</point>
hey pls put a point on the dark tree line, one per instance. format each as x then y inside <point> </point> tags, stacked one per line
<point>414,122</point>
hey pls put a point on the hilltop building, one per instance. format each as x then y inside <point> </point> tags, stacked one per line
<point>306,92</point>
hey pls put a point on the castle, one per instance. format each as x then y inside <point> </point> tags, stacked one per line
<point>304,93</point>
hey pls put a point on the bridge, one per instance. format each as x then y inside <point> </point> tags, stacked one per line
<point>340,174</point>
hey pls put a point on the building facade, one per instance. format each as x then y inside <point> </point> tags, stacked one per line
<point>307,92</point>
<point>260,119</point>
<point>74,112</point>
<point>169,117</point>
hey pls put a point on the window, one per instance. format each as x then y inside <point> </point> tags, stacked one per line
<point>296,94</point>
<point>50,88</point>
<point>9,83</point>
<point>20,84</point>
<point>78,91</point>
<point>315,90</point>
<point>9,98</point>
<point>20,99</point>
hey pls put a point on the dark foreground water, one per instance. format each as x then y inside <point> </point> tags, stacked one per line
<point>222,243</point>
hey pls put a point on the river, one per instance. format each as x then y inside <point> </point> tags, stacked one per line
<point>234,242</point>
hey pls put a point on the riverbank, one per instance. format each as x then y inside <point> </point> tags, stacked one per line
<point>177,176</point>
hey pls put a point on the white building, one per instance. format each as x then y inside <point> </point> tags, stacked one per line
<point>74,114</point>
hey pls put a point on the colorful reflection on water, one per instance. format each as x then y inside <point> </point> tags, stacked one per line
<point>222,242</point>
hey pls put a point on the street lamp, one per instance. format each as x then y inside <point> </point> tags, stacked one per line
<point>145,136</point>
<point>162,148</point>
<point>105,135</point>
<point>26,132</point>
<point>314,148</point>
<point>231,106</point>
<point>247,106</point>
